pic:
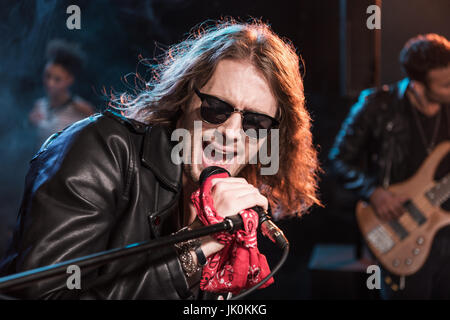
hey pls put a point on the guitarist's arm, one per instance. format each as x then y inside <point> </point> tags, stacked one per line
<point>349,153</point>
<point>349,156</point>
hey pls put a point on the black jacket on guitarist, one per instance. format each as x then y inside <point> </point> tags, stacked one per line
<point>375,144</point>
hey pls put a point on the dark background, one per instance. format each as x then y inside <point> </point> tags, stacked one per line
<point>331,36</point>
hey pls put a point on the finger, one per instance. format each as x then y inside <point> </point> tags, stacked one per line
<point>228,180</point>
<point>394,206</point>
<point>246,201</point>
<point>383,214</point>
<point>399,210</point>
<point>395,211</point>
<point>234,195</point>
<point>228,202</point>
<point>389,216</point>
<point>254,199</point>
<point>223,186</point>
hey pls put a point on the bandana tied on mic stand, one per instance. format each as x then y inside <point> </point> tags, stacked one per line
<point>239,265</point>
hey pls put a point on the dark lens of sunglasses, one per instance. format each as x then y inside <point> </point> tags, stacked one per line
<point>256,121</point>
<point>213,116</point>
<point>256,133</point>
<point>215,111</point>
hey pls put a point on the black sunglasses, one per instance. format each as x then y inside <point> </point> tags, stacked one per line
<point>215,111</point>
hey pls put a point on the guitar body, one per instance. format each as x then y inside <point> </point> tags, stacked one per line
<point>403,245</point>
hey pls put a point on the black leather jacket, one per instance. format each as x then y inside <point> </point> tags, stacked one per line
<point>104,182</point>
<point>373,143</point>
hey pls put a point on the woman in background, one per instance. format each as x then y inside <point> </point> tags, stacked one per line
<point>60,107</point>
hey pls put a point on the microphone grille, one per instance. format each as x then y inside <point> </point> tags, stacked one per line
<point>209,171</point>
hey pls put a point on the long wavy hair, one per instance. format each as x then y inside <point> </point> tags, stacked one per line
<point>190,63</point>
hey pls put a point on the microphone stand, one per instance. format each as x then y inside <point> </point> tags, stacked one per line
<point>229,224</point>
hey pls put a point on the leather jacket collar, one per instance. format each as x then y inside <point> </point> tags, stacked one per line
<point>401,88</point>
<point>156,150</point>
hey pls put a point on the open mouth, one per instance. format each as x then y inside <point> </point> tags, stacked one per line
<point>214,155</point>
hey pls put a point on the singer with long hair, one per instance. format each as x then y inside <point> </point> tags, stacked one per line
<point>111,180</point>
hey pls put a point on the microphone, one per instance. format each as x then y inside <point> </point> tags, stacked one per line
<point>267,227</point>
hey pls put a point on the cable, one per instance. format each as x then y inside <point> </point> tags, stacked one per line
<point>275,270</point>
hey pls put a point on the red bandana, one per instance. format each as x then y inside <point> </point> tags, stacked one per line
<point>239,265</point>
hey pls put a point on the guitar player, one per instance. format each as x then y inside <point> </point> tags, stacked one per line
<point>385,138</point>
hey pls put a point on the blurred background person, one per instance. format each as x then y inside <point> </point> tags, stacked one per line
<point>385,139</point>
<point>59,107</point>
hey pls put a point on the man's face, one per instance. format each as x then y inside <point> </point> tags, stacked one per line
<point>241,85</point>
<point>439,85</point>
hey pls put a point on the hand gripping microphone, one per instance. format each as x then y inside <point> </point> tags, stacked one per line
<point>267,227</point>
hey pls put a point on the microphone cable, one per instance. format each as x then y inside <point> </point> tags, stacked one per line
<point>259,284</point>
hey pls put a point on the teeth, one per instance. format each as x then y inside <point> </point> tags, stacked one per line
<point>224,156</point>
